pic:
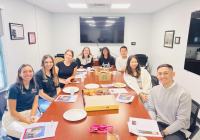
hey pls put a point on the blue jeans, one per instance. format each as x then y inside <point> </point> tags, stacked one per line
<point>43,105</point>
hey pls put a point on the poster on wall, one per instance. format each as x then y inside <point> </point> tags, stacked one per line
<point>169,39</point>
<point>16,31</point>
<point>31,38</point>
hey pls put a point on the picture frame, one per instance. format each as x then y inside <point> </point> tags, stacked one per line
<point>169,39</point>
<point>177,40</point>
<point>16,31</point>
<point>31,38</point>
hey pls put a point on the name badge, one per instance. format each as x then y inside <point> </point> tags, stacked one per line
<point>45,81</point>
<point>34,90</point>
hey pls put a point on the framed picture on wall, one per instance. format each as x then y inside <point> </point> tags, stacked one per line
<point>31,38</point>
<point>16,31</point>
<point>177,40</point>
<point>169,39</point>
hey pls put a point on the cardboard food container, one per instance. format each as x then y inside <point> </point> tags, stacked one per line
<point>104,76</point>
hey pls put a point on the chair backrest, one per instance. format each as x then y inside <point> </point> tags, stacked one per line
<point>58,59</point>
<point>194,115</point>
<point>142,59</point>
<point>59,55</point>
<point>154,80</point>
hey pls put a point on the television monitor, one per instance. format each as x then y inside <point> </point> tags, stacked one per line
<point>102,29</point>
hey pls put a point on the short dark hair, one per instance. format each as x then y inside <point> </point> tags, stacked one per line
<point>123,47</point>
<point>165,65</point>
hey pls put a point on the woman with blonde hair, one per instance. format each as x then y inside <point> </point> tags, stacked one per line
<point>85,59</point>
<point>48,83</point>
<point>22,102</point>
<point>66,70</point>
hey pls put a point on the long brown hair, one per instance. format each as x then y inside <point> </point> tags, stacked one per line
<point>128,67</point>
<point>82,54</point>
<point>52,71</point>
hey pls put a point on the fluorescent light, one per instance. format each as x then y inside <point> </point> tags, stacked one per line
<point>108,25</point>
<point>90,21</point>
<point>92,25</point>
<point>113,17</point>
<point>120,6</point>
<point>77,5</point>
<point>110,21</point>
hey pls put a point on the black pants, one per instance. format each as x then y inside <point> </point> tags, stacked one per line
<point>175,136</point>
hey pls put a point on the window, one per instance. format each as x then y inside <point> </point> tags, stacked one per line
<point>3,81</point>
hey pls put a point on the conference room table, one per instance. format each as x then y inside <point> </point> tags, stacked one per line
<point>79,130</point>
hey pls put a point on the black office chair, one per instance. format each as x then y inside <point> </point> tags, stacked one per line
<point>142,60</point>
<point>154,80</point>
<point>59,55</point>
<point>193,119</point>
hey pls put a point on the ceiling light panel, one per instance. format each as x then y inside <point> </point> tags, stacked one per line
<point>77,5</point>
<point>120,6</point>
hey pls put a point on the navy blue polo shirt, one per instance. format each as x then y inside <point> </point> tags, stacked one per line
<point>46,83</point>
<point>65,71</point>
<point>24,97</point>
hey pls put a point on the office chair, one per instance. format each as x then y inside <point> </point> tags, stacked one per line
<point>142,60</point>
<point>154,80</point>
<point>194,128</point>
<point>59,55</point>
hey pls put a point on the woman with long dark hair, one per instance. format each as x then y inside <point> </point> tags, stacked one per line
<point>48,83</point>
<point>106,60</point>
<point>137,78</point>
<point>22,102</point>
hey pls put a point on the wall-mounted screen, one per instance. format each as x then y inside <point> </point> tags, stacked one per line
<point>102,29</point>
<point>192,57</point>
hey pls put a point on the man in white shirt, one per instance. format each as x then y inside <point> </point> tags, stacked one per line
<point>170,105</point>
<point>122,59</point>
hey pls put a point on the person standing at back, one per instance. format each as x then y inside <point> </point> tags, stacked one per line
<point>122,59</point>
<point>48,83</point>
<point>170,105</point>
<point>66,70</point>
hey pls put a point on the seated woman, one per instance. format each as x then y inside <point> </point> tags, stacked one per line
<point>48,83</point>
<point>66,70</point>
<point>22,102</point>
<point>85,59</point>
<point>106,60</point>
<point>137,78</point>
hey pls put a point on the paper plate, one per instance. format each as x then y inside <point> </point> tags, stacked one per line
<point>81,70</point>
<point>91,86</point>
<point>119,85</point>
<point>70,89</point>
<point>75,114</point>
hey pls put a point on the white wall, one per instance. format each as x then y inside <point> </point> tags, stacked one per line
<point>66,34</point>
<point>17,52</point>
<point>176,17</point>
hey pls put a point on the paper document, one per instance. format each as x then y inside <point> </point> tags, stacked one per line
<point>66,98</point>
<point>117,90</point>
<point>124,98</point>
<point>39,130</point>
<point>144,127</point>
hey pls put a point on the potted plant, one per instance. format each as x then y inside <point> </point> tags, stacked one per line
<point>198,54</point>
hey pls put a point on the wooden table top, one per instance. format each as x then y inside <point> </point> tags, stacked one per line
<point>79,130</point>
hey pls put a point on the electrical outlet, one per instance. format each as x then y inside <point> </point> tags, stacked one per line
<point>133,43</point>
